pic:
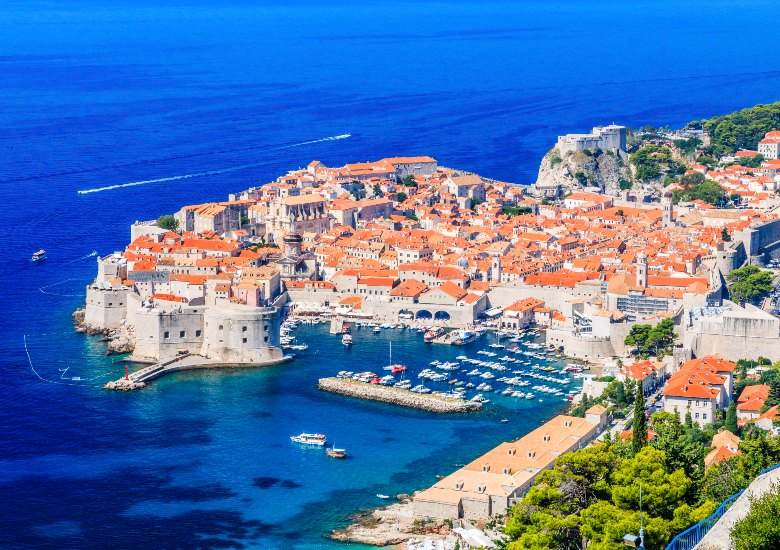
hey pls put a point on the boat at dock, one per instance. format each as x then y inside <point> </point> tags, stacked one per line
<point>432,334</point>
<point>463,337</point>
<point>309,439</point>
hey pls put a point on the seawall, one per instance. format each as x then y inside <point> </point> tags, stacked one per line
<point>397,396</point>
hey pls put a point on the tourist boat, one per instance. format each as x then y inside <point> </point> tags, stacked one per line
<point>336,453</point>
<point>345,328</point>
<point>309,439</point>
<point>38,256</point>
<point>463,337</point>
<point>346,340</point>
<point>432,334</point>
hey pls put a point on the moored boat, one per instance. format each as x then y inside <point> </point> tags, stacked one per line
<point>346,340</point>
<point>336,453</point>
<point>309,439</point>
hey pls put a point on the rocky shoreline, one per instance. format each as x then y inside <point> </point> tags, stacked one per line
<point>389,526</point>
<point>396,396</point>
<point>119,340</point>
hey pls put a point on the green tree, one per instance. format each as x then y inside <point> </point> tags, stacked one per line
<point>409,181</point>
<point>168,222</point>
<point>639,438</point>
<point>724,235</point>
<point>651,160</point>
<point>624,184</point>
<point>401,196</point>
<point>731,418</point>
<point>377,190</point>
<point>742,129</point>
<point>749,283</point>
<point>680,450</point>
<point>760,529</point>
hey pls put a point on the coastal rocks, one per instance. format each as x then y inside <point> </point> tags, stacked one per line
<point>389,525</point>
<point>577,169</point>
<point>121,340</point>
<point>124,385</point>
<point>396,396</point>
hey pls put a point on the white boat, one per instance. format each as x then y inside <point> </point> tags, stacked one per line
<point>384,497</point>
<point>309,439</point>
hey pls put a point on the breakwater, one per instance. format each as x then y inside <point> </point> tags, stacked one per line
<point>397,396</point>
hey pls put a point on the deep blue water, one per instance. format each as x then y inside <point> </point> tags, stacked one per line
<point>98,94</point>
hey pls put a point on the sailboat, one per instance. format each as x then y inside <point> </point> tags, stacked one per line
<point>336,453</point>
<point>394,368</point>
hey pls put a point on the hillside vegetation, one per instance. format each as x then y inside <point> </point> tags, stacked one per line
<point>740,130</point>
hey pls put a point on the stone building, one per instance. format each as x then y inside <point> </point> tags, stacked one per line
<point>606,138</point>
<point>296,214</point>
<point>492,483</point>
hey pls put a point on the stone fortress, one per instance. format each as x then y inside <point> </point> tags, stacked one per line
<point>165,317</point>
<point>607,138</point>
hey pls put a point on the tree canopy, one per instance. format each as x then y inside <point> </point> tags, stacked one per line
<point>656,340</point>
<point>591,497</point>
<point>749,283</point>
<point>742,129</point>
<point>651,160</point>
<point>708,191</point>
<point>168,222</point>
<point>760,529</point>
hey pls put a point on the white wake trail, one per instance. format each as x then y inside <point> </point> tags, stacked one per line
<point>210,172</point>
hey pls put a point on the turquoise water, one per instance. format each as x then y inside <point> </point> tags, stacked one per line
<point>99,94</point>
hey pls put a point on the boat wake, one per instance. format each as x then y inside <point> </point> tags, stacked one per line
<point>49,293</point>
<point>209,172</point>
<point>90,255</point>
<point>63,381</point>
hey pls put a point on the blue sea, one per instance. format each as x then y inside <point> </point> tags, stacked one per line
<point>98,94</point>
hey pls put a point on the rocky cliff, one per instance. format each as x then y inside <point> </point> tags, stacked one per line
<point>579,169</point>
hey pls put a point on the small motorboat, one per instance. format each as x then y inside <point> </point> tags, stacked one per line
<point>38,256</point>
<point>504,420</point>
<point>384,497</point>
<point>336,453</point>
<point>346,339</point>
<point>377,330</point>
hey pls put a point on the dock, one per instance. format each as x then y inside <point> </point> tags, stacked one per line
<point>138,379</point>
<point>397,396</point>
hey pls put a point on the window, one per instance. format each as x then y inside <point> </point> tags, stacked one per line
<point>704,416</point>
<point>697,415</point>
<point>265,339</point>
<point>220,327</point>
<point>166,335</point>
<point>243,329</point>
<point>182,334</point>
<point>265,327</point>
<point>243,340</point>
<point>197,333</point>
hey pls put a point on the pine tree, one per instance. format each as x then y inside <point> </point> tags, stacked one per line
<point>731,418</point>
<point>640,422</point>
<point>688,420</point>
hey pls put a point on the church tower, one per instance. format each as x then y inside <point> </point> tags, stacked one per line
<point>668,213</point>
<point>495,269</point>
<point>641,270</point>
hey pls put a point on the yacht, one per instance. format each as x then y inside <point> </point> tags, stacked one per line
<point>309,439</point>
